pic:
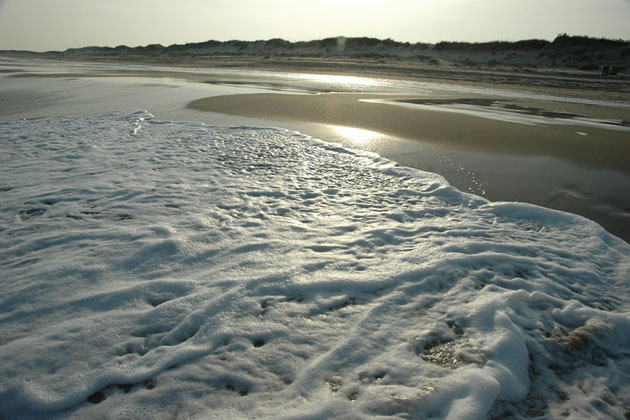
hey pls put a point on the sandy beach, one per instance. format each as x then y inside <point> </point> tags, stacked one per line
<point>564,152</point>
<point>347,227</point>
<point>562,144</point>
<point>591,145</point>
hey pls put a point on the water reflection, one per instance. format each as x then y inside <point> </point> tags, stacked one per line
<point>340,83</point>
<point>340,80</point>
<point>356,136</point>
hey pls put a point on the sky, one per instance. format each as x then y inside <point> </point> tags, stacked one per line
<point>44,25</point>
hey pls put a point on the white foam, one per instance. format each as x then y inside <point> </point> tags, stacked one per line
<point>159,269</point>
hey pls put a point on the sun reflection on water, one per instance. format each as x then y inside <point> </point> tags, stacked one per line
<point>340,80</point>
<point>357,136</point>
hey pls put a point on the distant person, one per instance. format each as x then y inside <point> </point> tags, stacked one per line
<point>605,70</point>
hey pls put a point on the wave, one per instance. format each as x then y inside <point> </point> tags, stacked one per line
<point>159,268</point>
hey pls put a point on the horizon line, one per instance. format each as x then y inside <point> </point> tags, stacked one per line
<point>329,38</point>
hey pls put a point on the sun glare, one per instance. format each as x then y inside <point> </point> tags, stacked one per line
<point>339,80</point>
<point>357,136</point>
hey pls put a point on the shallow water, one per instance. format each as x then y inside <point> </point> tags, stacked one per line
<point>551,182</point>
<point>514,112</point>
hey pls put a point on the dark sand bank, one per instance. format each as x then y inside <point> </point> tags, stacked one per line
<point>594,146</point>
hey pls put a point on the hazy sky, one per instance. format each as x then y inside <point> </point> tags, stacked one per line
<point>43,25</point>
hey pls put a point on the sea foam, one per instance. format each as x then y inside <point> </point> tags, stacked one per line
<point>157,269</point>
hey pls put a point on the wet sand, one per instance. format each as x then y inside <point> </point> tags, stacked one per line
<point>571,155</point>
<point>587,145</point>
<point>567,156</point>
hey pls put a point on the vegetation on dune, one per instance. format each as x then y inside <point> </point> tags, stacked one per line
<point>561,42</point>
<point>578,52</point>
<point>530,44</point>
<point>567,41</point>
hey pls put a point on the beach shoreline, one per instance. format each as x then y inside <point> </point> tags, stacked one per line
<point>560,81</point>
<point>569,166</point>
<point>577,164</point>
<point>599,147</point>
